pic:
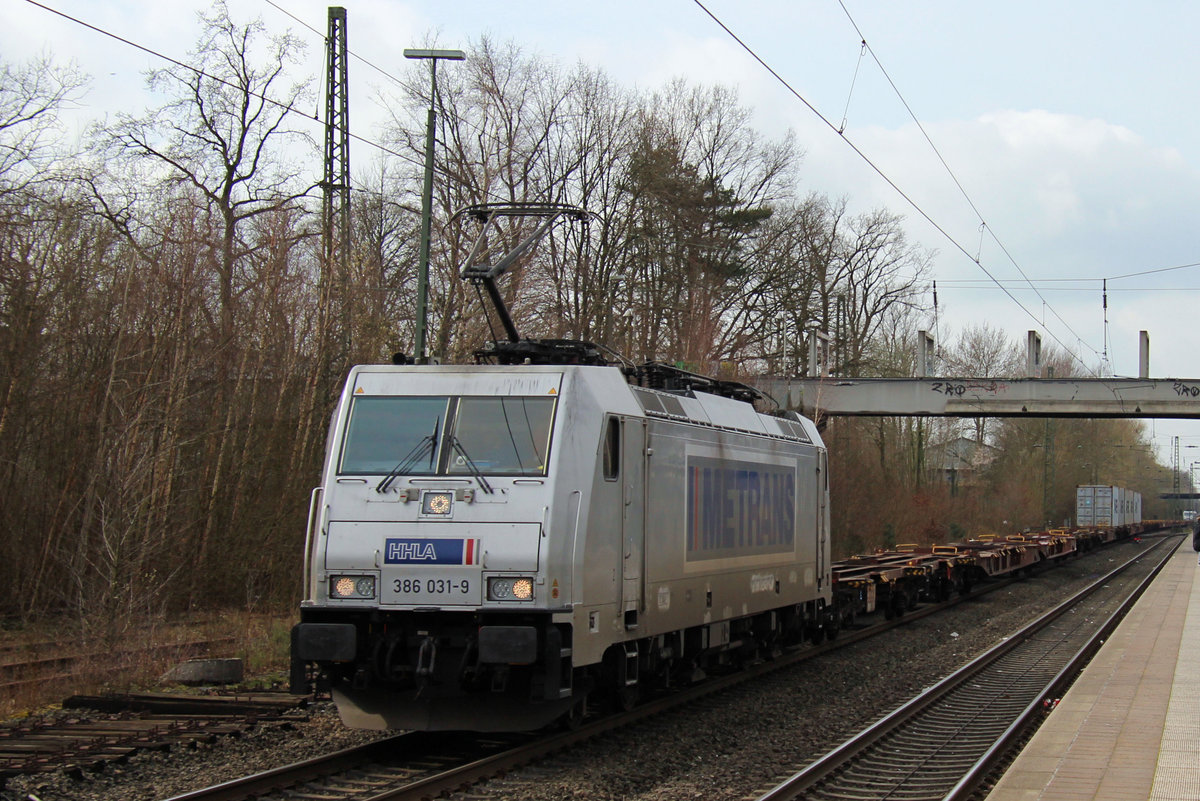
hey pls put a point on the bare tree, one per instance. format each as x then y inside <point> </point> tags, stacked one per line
<point>880,272</point>
<point>222,142</point>
<point>224,135</point>
<point>982,352</point>
<point>32,96</point>
<point>582,275</point>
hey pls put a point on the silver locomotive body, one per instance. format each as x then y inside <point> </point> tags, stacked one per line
<point>492,545</point>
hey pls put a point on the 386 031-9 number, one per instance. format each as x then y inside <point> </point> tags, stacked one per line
<point>430,586</point>
<point>436,587</point>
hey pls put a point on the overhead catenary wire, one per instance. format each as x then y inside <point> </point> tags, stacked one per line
<point>1053,311</point>
<point>981,286</point>
<point>1040,284</point>
<point>983,226</point>
<point>885,177</point>
<point>1156,270</point>
<point>487,191</point>
<point>862,52</point>
<point>287,108</point>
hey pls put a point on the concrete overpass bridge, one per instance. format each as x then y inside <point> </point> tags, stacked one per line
<point>820,395</point>
<point>987,397</point>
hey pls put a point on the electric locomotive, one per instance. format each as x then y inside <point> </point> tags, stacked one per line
<point>493,545</point>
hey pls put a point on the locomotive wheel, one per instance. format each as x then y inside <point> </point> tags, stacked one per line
<point>572,719</point>
<point>627,697</point>
<point>618,695</point>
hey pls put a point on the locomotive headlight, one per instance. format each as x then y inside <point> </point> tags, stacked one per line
<point>437,503</point>
<point>507,588</point>
<point>351,586</point>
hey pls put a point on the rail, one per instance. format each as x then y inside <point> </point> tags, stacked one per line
<point>946,784</point>
<point>395,755</point>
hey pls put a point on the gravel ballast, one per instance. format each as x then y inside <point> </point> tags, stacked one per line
<point>728,747</point>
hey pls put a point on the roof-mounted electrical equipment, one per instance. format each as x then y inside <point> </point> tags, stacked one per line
<point>515,350</point>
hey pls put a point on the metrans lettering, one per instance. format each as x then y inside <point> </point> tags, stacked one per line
<point>739,508</point>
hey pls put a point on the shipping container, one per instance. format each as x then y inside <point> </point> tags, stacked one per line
<point>1103,506</point>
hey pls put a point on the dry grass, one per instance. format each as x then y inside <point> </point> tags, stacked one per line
<point>135,661</point>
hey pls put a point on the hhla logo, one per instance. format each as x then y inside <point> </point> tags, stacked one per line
<point>436,551</point>
<point>410,551</point>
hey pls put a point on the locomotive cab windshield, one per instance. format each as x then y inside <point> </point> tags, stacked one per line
<point>437,435</point>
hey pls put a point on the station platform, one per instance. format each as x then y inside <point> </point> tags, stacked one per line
<point>1129,727</point>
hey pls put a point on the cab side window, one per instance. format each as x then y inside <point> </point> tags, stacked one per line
<point>612,449</point>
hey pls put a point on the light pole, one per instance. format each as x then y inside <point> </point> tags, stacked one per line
<point>427,191</point>
<point>1192,484</point>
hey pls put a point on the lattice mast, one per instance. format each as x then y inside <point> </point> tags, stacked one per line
<point>336,183</point>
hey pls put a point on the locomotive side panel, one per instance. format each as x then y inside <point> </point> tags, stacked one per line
<point>575,543</point>
<point>596,619</point>
<point>731,526</point>
<point>607,424</point>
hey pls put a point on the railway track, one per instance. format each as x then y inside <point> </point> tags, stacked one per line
<point>89,736</point>
<point>425,765</point>
<point>404,766</point>
<point>409,766</point>
<point>942,744</point>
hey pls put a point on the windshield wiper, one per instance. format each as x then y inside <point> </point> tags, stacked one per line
<point>428,443</point>
<point>475,471</point>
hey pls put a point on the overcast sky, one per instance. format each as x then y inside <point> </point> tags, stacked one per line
<point>1071,126</point>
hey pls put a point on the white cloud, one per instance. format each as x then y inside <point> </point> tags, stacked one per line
<point>1067,196</point>
<point>1106,190</point>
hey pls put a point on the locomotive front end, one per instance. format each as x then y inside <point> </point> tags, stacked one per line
<point>432,591</point>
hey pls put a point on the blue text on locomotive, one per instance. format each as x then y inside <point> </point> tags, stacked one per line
<point>739,508</point>
<point>402,551</point>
